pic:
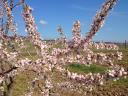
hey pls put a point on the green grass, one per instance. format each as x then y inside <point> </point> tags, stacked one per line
<point>21,83</point>
<point>79,68</point>
<point>122,81</point>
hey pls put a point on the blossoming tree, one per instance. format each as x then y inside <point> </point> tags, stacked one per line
<point>12,61</point>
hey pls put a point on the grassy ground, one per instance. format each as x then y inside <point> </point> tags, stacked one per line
<point>78,68</point>
<point>111,88</point>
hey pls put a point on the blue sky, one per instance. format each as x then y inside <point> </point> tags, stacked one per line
<point>51,13</point>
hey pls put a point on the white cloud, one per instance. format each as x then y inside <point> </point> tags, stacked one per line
<point>43,22</point>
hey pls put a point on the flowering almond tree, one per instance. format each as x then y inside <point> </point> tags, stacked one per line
<point>13,62</point>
